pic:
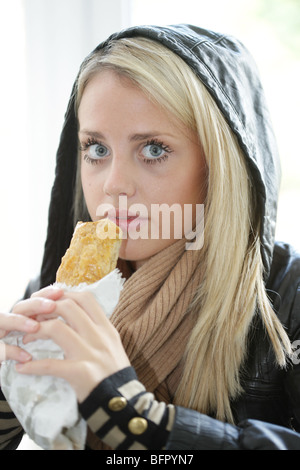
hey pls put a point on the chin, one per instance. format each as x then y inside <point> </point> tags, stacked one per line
<point>139,251</point>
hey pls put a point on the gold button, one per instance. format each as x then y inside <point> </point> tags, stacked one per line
<point>137,425</point>
<point>117,403</point>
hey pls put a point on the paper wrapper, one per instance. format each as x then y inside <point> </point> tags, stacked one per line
<point>46,406</point>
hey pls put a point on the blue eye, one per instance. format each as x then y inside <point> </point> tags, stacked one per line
<point>155,151</point>
<point>98,151</point>
<point>94,151</point>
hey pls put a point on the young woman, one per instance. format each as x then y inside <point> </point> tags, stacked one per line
<point>198,353</point>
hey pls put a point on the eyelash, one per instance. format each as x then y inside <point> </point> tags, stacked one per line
<point>85,146</point>
<point>163,158</point>
<point>149,161</point>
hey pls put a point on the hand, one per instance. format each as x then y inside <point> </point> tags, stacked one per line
<point>92,346</point>
<point>25,324</point>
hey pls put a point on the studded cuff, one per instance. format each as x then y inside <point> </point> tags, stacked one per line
<point>125,416</point>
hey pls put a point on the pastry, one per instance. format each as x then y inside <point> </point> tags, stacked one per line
<point>92,254</point>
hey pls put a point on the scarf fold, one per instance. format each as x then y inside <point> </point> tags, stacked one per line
<point>153,320</point>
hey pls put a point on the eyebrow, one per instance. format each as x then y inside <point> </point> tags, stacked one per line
<point>134,137</point>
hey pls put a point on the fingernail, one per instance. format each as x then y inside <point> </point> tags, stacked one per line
<point>47,304</point>
<point>58,291</point>
<point>19,367</point>
<point>30,324</point>
<point>24,356</point>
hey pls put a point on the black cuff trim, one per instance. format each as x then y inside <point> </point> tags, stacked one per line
<point>102,393</point>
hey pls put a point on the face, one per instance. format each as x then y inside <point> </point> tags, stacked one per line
<point>134,158</point>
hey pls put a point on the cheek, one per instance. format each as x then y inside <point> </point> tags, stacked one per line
<point>185,189</point>
<point>92,190</point>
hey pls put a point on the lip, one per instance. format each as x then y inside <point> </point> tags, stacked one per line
<point>125,219</point>
<point>124,215</point>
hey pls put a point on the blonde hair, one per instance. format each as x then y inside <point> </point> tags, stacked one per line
<point>232,290</point>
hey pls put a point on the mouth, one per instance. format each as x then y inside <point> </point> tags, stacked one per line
<point>123,219</point>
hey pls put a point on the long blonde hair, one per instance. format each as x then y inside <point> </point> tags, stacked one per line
<point>232,290</point>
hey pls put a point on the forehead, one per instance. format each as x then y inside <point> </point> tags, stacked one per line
<point>111,100</point>
<point>109,88</point>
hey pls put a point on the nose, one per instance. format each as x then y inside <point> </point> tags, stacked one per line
<point>120,179</point>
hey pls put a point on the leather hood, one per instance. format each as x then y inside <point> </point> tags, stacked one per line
<point>229,73</point>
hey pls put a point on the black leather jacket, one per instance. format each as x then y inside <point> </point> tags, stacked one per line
<point>269,389</point>
<point>268,413</point>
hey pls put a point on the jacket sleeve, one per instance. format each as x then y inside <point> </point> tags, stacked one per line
<point>193,430</point>
<point>125,416</point>
<point>11,432</point>
<point>292,377</point>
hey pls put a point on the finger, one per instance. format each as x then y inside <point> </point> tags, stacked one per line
<point>68,310</point>
<point>74,315</point>
<point>50,292</point>
<point>88,303</point>
<point>62,334</point>
<point>54,367</point>
<point>99,323</point>
<point>34,306</point>
<point>13,322</point>
<point>42,317</point>
<point>76,373</point>
<point>8,351</point>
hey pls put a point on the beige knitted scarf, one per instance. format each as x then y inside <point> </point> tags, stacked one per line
<point>152,317</point>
